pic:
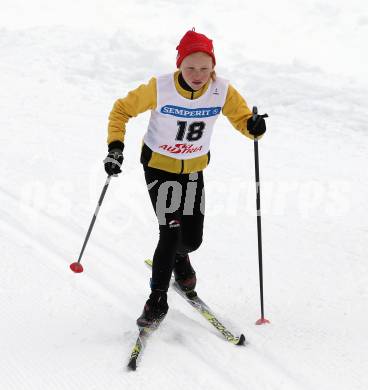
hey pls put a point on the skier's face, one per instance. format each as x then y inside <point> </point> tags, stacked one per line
<point>196,69</point>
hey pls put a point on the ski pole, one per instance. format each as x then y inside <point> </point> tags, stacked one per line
<point>256,118</point>
<point>77,266</point>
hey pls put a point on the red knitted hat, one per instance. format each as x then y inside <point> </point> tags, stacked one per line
<point>191,43</point>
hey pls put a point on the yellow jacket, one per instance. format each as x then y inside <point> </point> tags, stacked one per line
<point>144,98</point>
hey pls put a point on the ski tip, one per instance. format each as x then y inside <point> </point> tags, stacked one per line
<point>148,262</point>
<point>132,365</point>
<point>241,340</point>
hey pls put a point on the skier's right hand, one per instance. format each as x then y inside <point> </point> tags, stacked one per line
<point>114,159</point>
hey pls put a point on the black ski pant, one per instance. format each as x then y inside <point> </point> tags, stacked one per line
<point>178,201</point>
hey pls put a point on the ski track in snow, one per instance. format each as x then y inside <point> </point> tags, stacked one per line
<point>66,331</point>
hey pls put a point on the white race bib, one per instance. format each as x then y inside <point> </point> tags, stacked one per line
<point>182,128</point>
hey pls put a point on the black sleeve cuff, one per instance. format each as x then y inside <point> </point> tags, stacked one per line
<point>116,145</point>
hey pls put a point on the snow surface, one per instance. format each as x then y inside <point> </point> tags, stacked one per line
<point>62,66</point>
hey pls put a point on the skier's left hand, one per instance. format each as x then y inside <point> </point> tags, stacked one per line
<point>256,127</point>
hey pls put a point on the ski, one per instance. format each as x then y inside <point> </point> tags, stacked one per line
<point>193,299</point>
<point>140,344</point>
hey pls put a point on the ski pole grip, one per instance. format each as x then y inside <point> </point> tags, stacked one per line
<point>255,113</point>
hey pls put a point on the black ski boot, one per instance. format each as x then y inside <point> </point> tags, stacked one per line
<point>154,310</point>
<point>184,273</point>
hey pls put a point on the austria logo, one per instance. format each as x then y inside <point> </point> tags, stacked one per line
<point>181,148</point>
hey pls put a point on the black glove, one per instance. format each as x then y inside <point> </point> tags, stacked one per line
<point>114,159</point>
<point>256,127</point>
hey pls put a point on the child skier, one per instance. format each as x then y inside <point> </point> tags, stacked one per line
<point>184,107</point>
